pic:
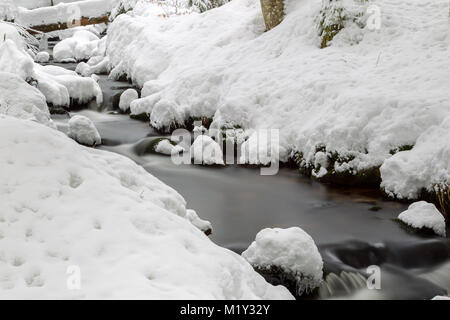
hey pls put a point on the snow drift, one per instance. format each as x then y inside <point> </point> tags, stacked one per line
<point>65,205</point>
<point>342,110</point>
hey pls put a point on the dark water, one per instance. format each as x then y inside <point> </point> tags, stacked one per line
<point>354,228</point>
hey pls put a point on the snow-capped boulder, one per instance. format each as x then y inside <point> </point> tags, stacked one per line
<point>422,214</point>
<point>67,208</point>
<point>206,151</point>
<point>83,130</point>
<point>93,66</point>
<point>167,148</point>
<point>287,254</point>
<point>21,100</point>
<point>262,148</point>
<point>42,57</point>
<point>81,46</point>
<point>126,98</point>
<point>203,225</point>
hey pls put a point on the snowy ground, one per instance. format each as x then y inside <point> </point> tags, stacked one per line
<point>66,205</point>
<point>370,94</point>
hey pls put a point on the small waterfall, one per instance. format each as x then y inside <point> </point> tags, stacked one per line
<point>439,276</point>
<point>341,285</point>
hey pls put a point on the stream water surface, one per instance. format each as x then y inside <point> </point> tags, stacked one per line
<point>353,227</point>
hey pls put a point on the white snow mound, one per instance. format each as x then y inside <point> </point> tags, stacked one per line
<point>42,57</point>
<point>206,151</point>
<point>422,214</point>
<point>21,100</point>
<point>68,207</point>
<point>292,250</point>
<point>83,130</point>
<point>126,98</point>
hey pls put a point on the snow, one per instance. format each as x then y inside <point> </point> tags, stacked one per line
<point>425,166</point>
<point>63,12</point>
<point>358,98</point>
<point>422,214</point>
<point>65,206</point>
<point>59,85</point>
<point>21,100</point>
<point>292,250</point>
<point>202,225</point>
<point>441,298</point>
<point>90,68</point>
<point>126,98</point>
<point>81,46</point>
<point>167,148</point>
<point>15,60</point>
<point>262,147</point>
<point>206,151</point>
<point>42,57</point>
<point>83,130</point>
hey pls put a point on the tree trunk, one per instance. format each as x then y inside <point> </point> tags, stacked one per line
<point>273,12</point>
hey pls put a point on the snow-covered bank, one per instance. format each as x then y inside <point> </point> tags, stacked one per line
<point>63,12</point>
<point>343,110</point>
<point>20,100</point>
<point>64,205</point>
<point>61,87</point>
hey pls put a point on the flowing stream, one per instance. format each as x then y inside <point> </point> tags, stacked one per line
<point>353,227</point>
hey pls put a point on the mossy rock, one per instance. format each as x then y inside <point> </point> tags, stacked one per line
<point>141,117</point>
<point>276,275</point>
<point>148,147</point>
<point>423,232</point>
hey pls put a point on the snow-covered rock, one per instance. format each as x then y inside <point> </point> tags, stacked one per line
<point>203,225</point>
<point>83,130</point>
<point>422,214</point>
<point>291,251</point>
<point>59,85</point>
<point>67,208</point>
<point>126,98</point>
<point>263,147</point>
<point>42,57</point>
<point>165,147</point>
<point>206,151</point>
<point>93,66</point>
<point>80,46</point>
<point>356,100</point>
<point>425,166</point>
<point>14,59</point>
<point>21,100</point>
